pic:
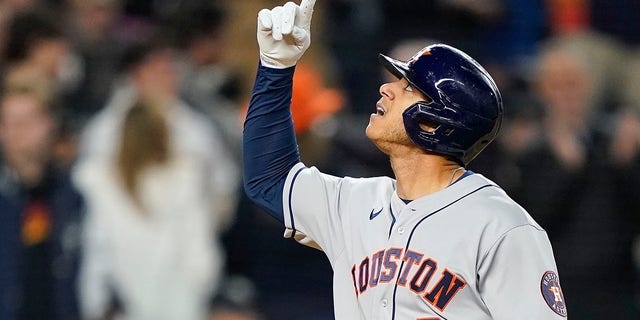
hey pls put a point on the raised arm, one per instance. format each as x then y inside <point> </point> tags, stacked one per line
<point>269,144</point>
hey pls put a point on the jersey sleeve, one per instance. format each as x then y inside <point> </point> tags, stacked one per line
<point>518,278</point>
<point>311,209</point>
<point>269,143</point>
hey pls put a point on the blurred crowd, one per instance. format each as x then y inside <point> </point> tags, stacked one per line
<point>120,146</point>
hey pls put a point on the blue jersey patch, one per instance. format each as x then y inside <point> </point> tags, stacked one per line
<point>552,293</point>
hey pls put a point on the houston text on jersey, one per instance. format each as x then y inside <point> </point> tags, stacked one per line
<point>415,273</point>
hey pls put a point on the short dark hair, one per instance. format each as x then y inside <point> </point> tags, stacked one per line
<point>192,22</point>
<point>27,28</point>
<point>135,53</point>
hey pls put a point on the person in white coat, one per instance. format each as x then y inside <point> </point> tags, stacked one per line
<point>159,186</point>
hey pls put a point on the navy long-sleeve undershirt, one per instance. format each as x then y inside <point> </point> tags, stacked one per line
<point>269,144</point>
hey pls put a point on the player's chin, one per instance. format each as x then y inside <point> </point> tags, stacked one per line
<point>373,131</point>
<point>370,128</point>
<point>373,120</point>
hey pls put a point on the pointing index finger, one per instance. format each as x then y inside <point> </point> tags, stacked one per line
<point>304,13</point>
<point>288,17</point>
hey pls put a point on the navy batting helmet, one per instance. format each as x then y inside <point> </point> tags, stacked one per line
<point>465,106</point>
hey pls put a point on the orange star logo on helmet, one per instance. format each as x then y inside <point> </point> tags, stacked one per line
<point>425,51</point>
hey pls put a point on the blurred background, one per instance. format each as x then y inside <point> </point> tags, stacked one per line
<point>120,135</point>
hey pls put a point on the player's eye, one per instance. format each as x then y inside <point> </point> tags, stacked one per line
<point>408,88</point>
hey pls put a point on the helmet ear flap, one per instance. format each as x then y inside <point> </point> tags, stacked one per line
<point>429,131</point>
<point>426,125</point>
<point>419,127</point>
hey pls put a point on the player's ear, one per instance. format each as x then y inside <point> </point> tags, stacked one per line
<point>428,126</point>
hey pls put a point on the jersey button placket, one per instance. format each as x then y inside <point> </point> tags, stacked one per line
<point>400,230</point>
<point>384,303</point>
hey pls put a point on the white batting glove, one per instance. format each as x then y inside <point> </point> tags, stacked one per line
<point>284,33</point>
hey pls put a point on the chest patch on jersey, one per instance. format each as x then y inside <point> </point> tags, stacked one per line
<point>552,293</point>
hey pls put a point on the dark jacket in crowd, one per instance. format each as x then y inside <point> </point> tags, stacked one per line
<point>39,242</point>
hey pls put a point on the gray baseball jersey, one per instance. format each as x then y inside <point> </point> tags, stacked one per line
<point>466,252</point>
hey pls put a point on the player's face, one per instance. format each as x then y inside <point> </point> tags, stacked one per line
<point>386,127</point>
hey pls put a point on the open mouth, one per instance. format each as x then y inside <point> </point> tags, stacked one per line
<point>380,110</point>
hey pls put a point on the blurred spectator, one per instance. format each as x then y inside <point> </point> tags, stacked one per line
<point>149,233</point>
<point>207,83</point>
<point>160,186</point>
<point>39,209</point>
<point>35,48</point>
<point>569,186</point>
<point>603,57</point>
<point>153,76</point>
<point>564,85</point>
<point>619,20</point>
<point>92,26</point>
<point>610,30</point>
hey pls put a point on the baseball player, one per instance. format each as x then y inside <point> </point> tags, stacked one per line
<point>437,242</point>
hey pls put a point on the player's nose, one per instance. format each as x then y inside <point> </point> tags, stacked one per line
<point>386,91</point>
